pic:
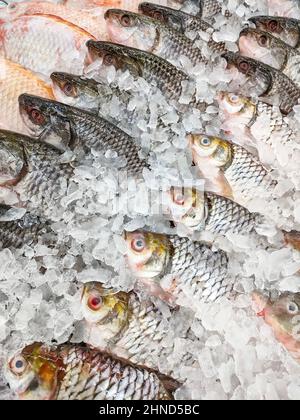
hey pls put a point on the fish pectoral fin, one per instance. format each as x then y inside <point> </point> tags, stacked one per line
<point>153,288</point>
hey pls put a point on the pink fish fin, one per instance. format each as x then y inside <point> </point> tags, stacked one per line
<point>153,288</point>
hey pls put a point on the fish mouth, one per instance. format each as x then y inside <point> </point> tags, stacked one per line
<point>261,301</point>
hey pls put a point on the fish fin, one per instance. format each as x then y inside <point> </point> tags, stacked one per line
<point>153,288</point>
<point>293,239</point>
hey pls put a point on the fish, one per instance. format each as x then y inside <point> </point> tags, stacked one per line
<point>33,172</point>
<point>189,25</point>
<point>151,35</point>
<point>44,43</point>
<point>258,79</point>
<point>26,230</point>
<point>253,121</point>
<point>122,4</point>
<point>155,70</point>
<point>282,314</point>
<point>286,29</point>
<point>125,325</point>
<point>166,266</point>
<point>231,170</point>
<point>67,127</point>
<point>205,211</point>
<point>77,372</point>
<point>287,8</point>
<point>90,21</point>
<point>15,80</point>
<point>270,50</point>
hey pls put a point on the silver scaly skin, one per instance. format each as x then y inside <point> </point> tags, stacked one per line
<point>77,129</point>
<point>76,372</point>
<point>151,35</point>
<point>182,22</point>
<point>155,70</point>
<point>192,267</point>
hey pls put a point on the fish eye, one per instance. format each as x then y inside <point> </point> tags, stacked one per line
<point>234,98</point>
<point>126,20</point>
<point>244,66</point>
<point>138,245</point>
<point>178,198</point>
<point>273,26</point>
<point>292,308</point>
<point>18,365</point>
<point>37,117</point>
<point>69,89</point>
<point>205,141</point>
<point>263,40</point>
<point>108,60</point>
<point>94,302</point>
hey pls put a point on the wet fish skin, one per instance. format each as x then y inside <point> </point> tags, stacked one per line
<point>74,128</point>
<point>193,267</point>
<point>151,35</point>
<point>25,231</point>
<point>233,171</point>
<point>205,211</point>
<point>76,372</point>
<point>34,171</point>
<point>264,81</point>
<point>153,69</point>
<point>286,29</point>
<point>244,118</point>
<point>182,22</point>
<point>272,51</point>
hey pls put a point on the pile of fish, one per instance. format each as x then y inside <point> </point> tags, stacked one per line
<point>150,199</point>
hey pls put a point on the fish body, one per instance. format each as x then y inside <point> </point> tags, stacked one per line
<point>155,70</point>
<point>204,211</point>
<point>121,4</point>
<point>256,121</point>
<point>270,50</point>
<point>233,171</point>
<point>190,25</point>
<point>25,231</point>
<point>90,21</point>
<point>151,35</point>
<point>44,43</point>
<point>33,171</point>
<point>189,267</point>
<point>286,29</point>
<point>74,372</point>
<point>282,314</point>
<point>258,79</point>
<point>287,8</point>
<point>68,127</point>
<point>15,80</point>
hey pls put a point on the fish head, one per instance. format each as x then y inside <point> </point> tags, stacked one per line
<point>235,107</point>
<point>282,314</point>
<point>211,149</point>
<point>251,76</point>
<point>48,120</point>
<point>33,373</point>
<point>74,90</point>
<point>147,254</point>
<point>132,29</point>
<point>118,56</point>
<point>262,46</point>
<point>186,206</point>
<point>163,14</point>
<point>105,307</point>
<point>288,30</point>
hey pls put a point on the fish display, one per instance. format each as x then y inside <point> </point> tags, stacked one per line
<point>199,211</point>
<point>66,127</point>
<point>44,43</point>
<point>286,29</point>
<point>230,169</point>
<point>92,21</point>
<point>168,265</point>
<point>258,79</point>
<point>15,80</point>
<point>27,230</point>
<point>282,314</point>
<point>270,50</point>
<point>253,121</point>
<point>155,70</point>
<point>151,35</point>
<point>190,25</point>
<point>74,372</point>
